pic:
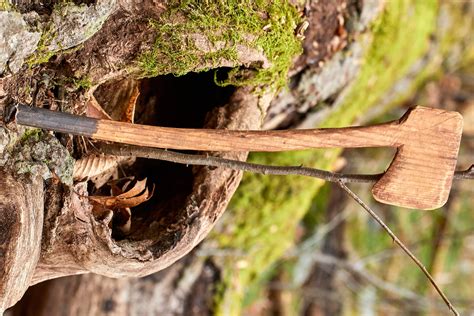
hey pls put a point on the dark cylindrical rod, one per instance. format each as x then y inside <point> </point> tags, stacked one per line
<point>55,121</point>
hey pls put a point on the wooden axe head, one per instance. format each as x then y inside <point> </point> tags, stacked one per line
<point>422,170</point>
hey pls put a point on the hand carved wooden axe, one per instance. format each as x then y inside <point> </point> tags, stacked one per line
<point>420,175</point>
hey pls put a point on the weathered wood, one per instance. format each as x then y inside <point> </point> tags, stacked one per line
<point>21,223</point>
<point>77,242</point>
<point>420,175</point>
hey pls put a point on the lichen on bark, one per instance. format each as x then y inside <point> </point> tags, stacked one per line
<point>32,151</point>
<point>17,41</point>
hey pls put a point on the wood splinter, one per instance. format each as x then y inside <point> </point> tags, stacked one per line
<point>420,175</point>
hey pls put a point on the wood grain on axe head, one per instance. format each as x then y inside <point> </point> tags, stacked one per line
<point>421,174</point>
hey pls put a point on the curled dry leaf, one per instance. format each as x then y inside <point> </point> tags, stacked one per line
<point>138,194</point>
<point>120,203</point>
<point>93,165</point>
<point>99,168</point>
<point>129,113</point>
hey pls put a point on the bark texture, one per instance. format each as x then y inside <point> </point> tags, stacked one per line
<point>184,288</point>
<point>74,240</point>
<point>21,218</point>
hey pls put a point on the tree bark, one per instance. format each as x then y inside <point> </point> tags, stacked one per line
<point>184,288</point>
<point>21,218</point>
<point>74,54</point>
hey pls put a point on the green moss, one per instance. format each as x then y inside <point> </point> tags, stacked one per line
<point>266,210</point>
<point>5,5</point>
<point>264,25</point>
<point>31,134</point>
<point>172,53</point>
<point>82,83</point>
<point>42,53</point>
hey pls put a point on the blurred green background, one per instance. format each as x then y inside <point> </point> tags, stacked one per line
<point>293,245</point>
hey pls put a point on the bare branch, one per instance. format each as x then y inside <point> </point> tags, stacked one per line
<point>201,160</point>
<point>465,174</point>
<point>399,243</point>
<point>360,271</point>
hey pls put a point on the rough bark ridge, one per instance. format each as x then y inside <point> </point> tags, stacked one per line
<point>75,241</point>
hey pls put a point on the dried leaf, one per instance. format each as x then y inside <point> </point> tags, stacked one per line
<point>135,196</point>
<point>93,165</point>
<point>114,185</point>
<point>135,190</point>
<point>133,201</point>
<point>113,173</point>
<point>103,213</point>
<point>124,220</point>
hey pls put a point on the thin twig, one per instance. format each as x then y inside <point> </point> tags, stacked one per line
<point>341,179</point>
<point>465,174</point>
<point>201,160</point>
<point>399,243</point>
<point>361,271</point>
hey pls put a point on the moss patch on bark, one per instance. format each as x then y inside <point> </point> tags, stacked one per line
<point>266,26</point>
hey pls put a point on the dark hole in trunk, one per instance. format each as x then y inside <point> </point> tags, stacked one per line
<point>173,102</point>
<point>44,7</point>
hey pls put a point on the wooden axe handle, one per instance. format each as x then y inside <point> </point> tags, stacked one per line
<point>383,135</point>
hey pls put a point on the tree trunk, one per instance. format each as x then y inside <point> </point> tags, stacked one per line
<point>343,61</point>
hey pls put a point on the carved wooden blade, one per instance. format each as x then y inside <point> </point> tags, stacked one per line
<point>421,173</point>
